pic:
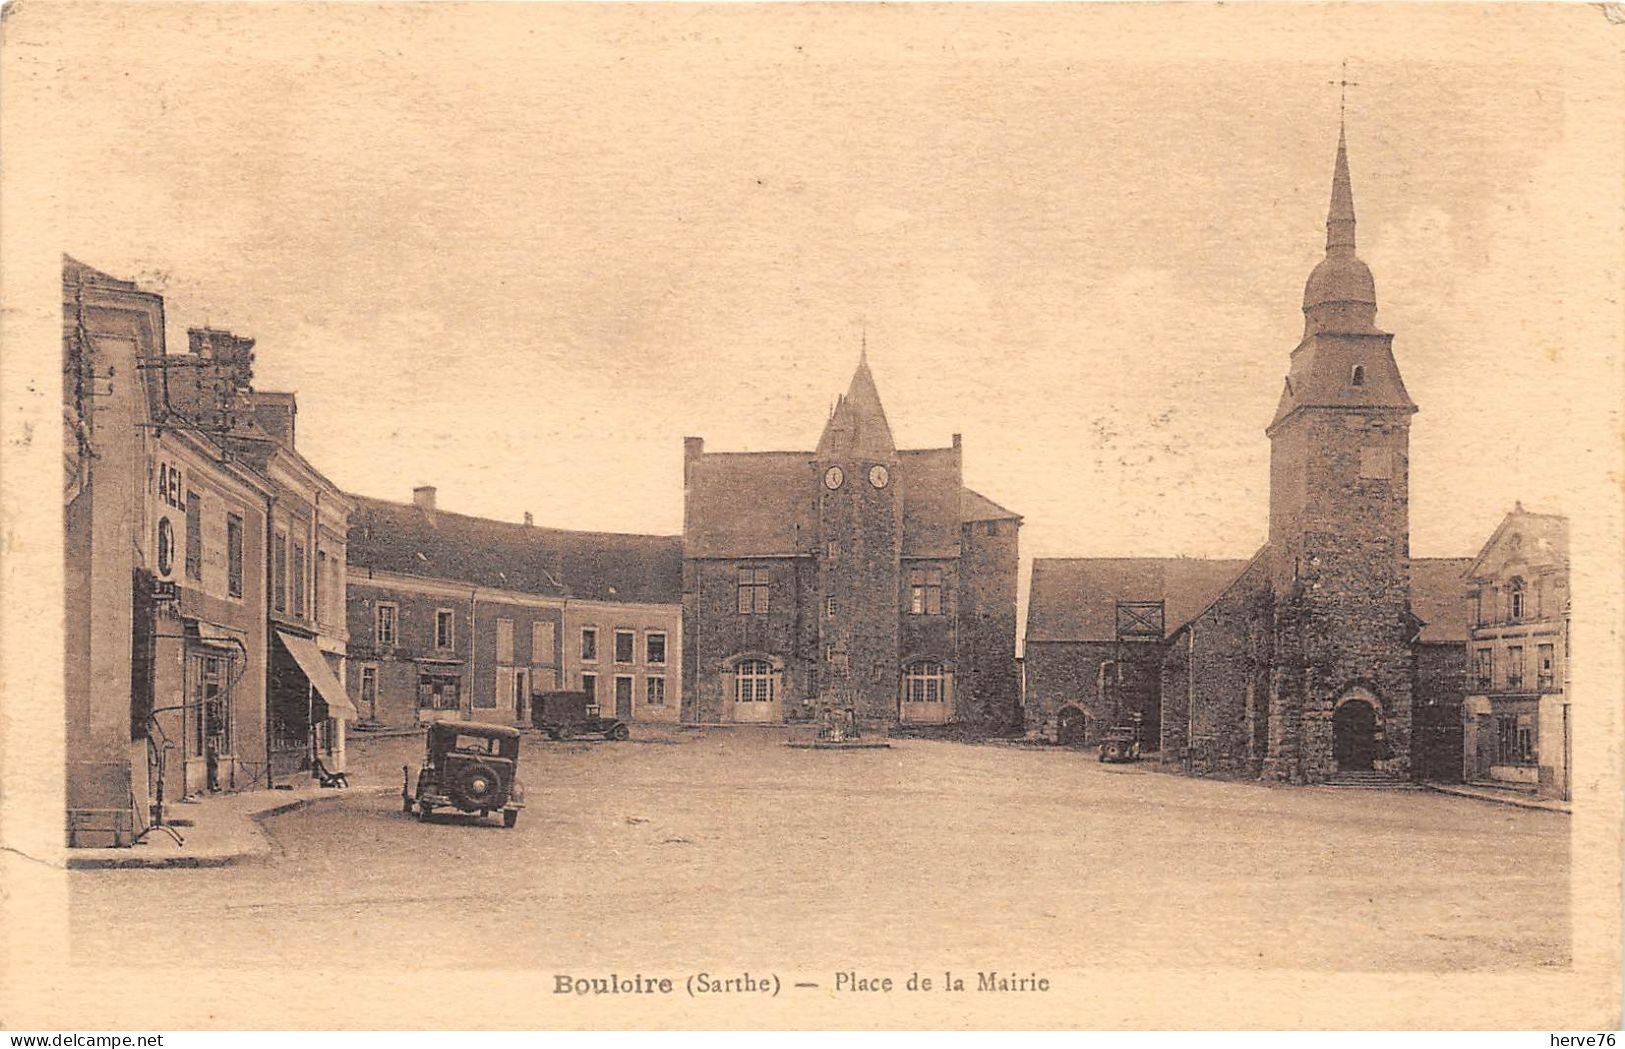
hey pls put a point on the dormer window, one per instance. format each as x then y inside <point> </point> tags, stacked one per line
<point>1357,377</point>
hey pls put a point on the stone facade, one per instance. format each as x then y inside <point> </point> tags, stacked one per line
<point>1304,665</point>
<point>856,577</point>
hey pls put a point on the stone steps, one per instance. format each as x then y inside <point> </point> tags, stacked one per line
<point>1369,781</point>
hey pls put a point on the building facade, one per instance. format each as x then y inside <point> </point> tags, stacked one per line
<point>1302,663</point>
<point>855,577</point>
<point>458,617</point>
<point>174,482</point>
<point>1515,721</point>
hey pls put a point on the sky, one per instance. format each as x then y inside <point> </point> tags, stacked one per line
<point>519,253</point>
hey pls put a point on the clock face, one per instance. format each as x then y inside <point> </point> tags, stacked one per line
<point>879,476</point>
<point>833,478</point>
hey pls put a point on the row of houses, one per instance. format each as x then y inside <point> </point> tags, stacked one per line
<point>204,570</point>
<point>231,613</point>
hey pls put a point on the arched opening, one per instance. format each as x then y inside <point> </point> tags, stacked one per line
<point>1357,377</point>
<point>1354,736</point>
<point>755,686</point>
<point>1071,727</point>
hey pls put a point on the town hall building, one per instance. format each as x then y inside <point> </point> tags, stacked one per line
<point>1317,657</point>
<point>854,577</point>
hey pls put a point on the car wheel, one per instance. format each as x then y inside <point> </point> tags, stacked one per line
<point>477,786</point>
<point>423,813</point>
<point>510,817</point>
<point>619,732</point>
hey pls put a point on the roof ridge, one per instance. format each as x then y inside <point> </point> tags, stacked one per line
<point>517,526</point>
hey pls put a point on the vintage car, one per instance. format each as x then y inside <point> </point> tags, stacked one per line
<point>469,767</point>
<point>565,714</point>
<point>1121,743</point>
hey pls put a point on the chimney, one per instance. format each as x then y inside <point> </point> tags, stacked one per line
<point>528,519</point>
<point>956,440</point>
<point>693,448</point>
<point>423,497</point>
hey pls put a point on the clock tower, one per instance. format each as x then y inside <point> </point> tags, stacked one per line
<point>858,555</point>
<point>1340,684</point>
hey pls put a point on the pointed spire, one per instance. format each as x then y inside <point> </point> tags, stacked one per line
<point>1340,217</point>
<point>858,427</point>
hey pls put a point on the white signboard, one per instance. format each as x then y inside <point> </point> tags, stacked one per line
<point>168,549</point>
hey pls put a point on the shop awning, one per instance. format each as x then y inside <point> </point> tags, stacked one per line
<point>320,675</point>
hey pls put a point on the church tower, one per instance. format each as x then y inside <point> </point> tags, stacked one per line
<point>1340,689</point>
<point>860,535</point>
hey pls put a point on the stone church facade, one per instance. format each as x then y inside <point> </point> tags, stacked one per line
<point>857,576</point>
<point>1302,664</point>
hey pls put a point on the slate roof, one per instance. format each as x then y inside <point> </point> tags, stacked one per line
<point>974,506</point>
<point>1439,597</point>
<point>857,427</point>
<point>1075,598</point>
<point>750,504</point>
<point>550,562</point>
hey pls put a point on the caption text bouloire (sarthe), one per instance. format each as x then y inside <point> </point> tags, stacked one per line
<point>704,984</point>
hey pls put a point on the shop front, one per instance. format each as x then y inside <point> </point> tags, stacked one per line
<point>309,708</point>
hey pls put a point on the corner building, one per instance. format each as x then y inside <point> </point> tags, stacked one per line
<point>857,576</point>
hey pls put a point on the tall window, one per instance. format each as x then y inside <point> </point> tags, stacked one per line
<point>541,641</point>
<point>194,536</point>
<point>753,681</point>
<point>655,691</point>
<point>384,622</point>
<point>1485,668</point>
<point>504,641</point>
<point>318,586</point>
<point>445,630</point>
<point>211,713</point>
<point>655,648</point>
<point>279,571</point>
<point>234,555</point>
<point>925,591</point>
<point>589,644</point>
<point>753,591</point>
<point>625,645</point>
<point>1545,670</point>
<point>829,607</point>
<point>1515,599</point>
<point>1357,377</point>
<point>298,580</point>
<point>924,682</point>
<point>589,685</point>
<point>1514,666</point>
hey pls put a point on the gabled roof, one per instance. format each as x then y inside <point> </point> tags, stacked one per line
<point>750,504</point>
<point>1439,597</point>
<point>76,272</point>
<point>550,562</point>
<point>976,507</point>
<point>1075,599</point>
<point>1539,539</point>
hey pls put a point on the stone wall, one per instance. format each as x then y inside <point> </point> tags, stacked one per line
<point>1227,648</point>
<point>990,689</point>
<point>1066,673</point>
<point>715,632</point>
<point>1437,694</point>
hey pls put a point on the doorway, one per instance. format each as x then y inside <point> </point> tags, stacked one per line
<point>1354,736</point>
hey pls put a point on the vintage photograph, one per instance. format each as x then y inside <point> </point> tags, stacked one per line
<point>819,515</point>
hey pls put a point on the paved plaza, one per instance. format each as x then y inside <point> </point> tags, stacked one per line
<point>712,848</point>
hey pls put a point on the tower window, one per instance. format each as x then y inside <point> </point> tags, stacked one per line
<point>1357,378</point>
<point>753,591</point>
<point>925,591</point>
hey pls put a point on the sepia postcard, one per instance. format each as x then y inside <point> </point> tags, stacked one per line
<point>916,516</point>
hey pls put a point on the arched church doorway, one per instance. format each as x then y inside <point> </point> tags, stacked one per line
<point>1354,736</point>
<point>1070,726</point>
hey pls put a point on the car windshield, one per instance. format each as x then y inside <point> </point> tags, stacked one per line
<point>476,744</point>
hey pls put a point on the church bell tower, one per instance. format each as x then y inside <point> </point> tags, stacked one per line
<point>1340,690</point>
<point>860,535</point>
